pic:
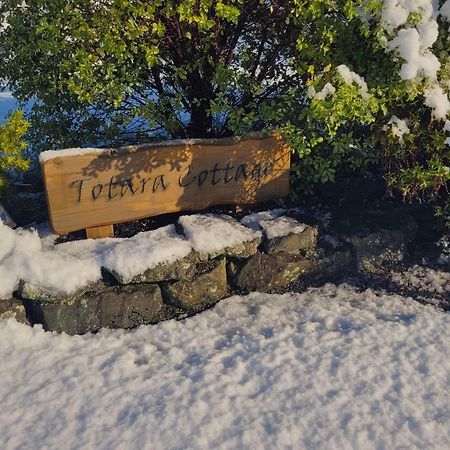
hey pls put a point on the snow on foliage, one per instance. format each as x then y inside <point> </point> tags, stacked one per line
<point>399,127</point>
<point>411,29</point>
<point>327,90</point>
<point>329,368</point>
<point>351,77</point>
<point>447,129</point>
<point>414,45</point>
<point>445,11</point>
<point>393,14</point>
<point>413,42</point>
<point>410,47</point>
<point>438,101</point>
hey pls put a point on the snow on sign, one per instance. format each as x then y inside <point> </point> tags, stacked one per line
<point>94,188</point>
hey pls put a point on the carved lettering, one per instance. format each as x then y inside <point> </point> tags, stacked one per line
<point>214,171</point>
<point>202,176</point>
<point>241,171</point>
<point>159,181</point>
<point>96,191</point>
<point>227,169</point>
<point>184,175</point>
<point>117,189</point>
<point>110,189</point>
<point>127,185</point>
<point>80,186</point>
<point>256,172</point>
<point>143,183</point>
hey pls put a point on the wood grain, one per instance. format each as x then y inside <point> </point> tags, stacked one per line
<point>104,231</point>
<point>91,190</point>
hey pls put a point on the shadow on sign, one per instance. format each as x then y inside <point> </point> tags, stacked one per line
<point>130,183</point>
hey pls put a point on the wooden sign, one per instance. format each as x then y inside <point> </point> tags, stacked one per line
<point>89,188</point>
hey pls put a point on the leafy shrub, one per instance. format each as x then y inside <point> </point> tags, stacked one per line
<point>127,70</point>
<point>12,148</point>
<point>351,82</point>
<point>376,88</point>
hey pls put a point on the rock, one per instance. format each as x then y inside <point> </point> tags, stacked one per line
<point>378,236</point>
<point>292,242</point>
<point>130,306</point>
<point>333,264</point>
<point>76,317</point>
<point>265,272</point>
<point>233,268</point>
<point>113,307</point>
<point>41,294</point>
<point>13,309</point>
<point>243,250</point>
<point>182,269</point>
<point>443,246</point>
<point>375,250</point>
<point>282,233</point>
<point>207,288</point>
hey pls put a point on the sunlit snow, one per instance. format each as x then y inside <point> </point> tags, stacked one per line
<point>330,368</point>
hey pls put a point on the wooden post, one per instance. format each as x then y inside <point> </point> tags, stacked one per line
<point>100,232</point>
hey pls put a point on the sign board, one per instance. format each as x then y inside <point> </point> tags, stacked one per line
<point>89,188</point>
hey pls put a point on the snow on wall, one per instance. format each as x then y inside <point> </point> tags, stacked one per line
<point>69,267</point>
<point>23,257</point>
<point>272,223</point>
<point>254,220</point>
<point>209,233</point>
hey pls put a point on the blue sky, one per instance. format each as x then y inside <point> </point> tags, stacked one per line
<point>7,104</point>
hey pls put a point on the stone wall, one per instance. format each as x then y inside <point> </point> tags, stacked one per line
<point>270,263</point>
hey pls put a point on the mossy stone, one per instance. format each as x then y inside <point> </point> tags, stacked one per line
<point>207,288</point>
<point>13,309</point>
<point>264,272</point>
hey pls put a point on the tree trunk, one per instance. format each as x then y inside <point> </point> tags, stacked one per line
<point>200,124</point>
<point>202,92</point>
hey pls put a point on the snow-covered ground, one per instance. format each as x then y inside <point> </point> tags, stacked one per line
<point>330,368</point>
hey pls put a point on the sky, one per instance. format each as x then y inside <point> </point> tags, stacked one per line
<point>7,104</point>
